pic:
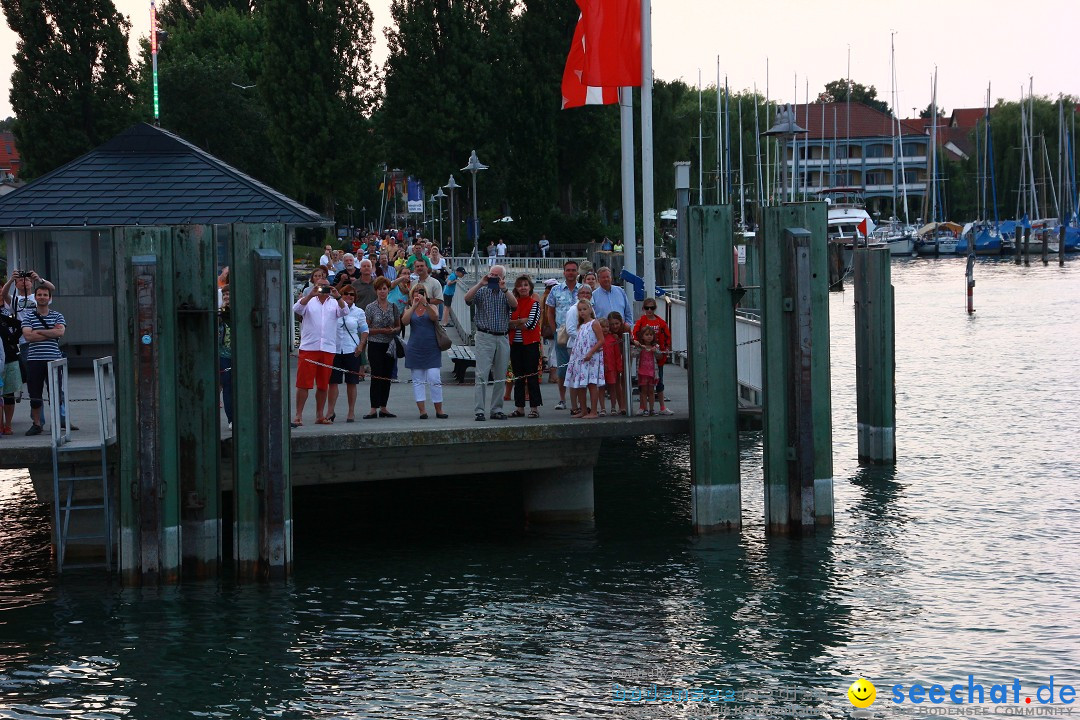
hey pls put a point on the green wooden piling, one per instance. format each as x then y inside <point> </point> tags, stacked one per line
<point>780,449</point>
<point>197,417</point>
<point>261,315</point>
<point>146,354</point>
<point>1027,246</point>
<point>1045,246</point>
<point>714,428</point>
<point>1061,245</point>
<point>1019,247</point>
<point>875,356</point>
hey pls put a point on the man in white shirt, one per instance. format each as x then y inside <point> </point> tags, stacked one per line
<point>544,245</point>
<point>319,311</point>
<point>501,248</point>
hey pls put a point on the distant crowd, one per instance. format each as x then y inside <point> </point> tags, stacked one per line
<point>361,312</point>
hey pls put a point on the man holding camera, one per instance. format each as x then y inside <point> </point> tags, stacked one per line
<point>320,310</point>
<point>493,302</point>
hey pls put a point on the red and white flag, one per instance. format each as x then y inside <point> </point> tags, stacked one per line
<point>605,53</point>
<point>864,227</point>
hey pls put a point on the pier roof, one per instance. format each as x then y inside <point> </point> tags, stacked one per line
<point>149,176</point>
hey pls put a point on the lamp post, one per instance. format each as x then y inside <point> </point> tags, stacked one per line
<point>439,196</point>
<point>431,214</point>
<point>452,186</point>
<point>785,129</point>
<point>474,167</point>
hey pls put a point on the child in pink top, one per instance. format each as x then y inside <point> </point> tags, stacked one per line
<point>646,340</point>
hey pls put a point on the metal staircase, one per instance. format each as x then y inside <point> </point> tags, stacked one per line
<point>69,491</point>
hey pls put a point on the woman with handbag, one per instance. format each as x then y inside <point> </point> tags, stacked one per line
<point>423,355</point>
<point>525,348</point>
<point>352,337</point>
<point>384,324</point>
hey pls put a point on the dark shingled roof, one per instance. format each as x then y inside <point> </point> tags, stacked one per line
<point>147,176</point>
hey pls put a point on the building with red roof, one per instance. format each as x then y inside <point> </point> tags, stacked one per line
<point>856,146</point>
<point>9,155</point>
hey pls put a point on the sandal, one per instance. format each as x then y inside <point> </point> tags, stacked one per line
<point>295,424</point>
<point>534,413</point>
<point>517,414</point>
<point>601,413</point>
<point>324,421</point>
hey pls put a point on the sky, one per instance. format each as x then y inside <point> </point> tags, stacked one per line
<point>786,44</point>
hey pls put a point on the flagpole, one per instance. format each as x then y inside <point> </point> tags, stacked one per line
<point>648,221</point>
<point>629,212</point>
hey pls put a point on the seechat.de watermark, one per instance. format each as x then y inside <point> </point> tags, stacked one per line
<point>935,698</point>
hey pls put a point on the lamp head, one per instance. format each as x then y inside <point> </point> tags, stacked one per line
<point>474,164</point>
<point>452,185</point>
<point>785,124</point>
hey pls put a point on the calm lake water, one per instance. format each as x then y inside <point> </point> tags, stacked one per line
<point>960,560</point>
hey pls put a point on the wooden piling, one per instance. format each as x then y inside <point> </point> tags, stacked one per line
<point>1061,245</point>
<point>1046,246</point>
<point>262,491</point>
<point>875,356</point>
<point>1027,246</point>
<point>1018,244</point>
<point>150,529</point>
<point>197,416</point>
<point>710,285</point>
<point>788,504</point>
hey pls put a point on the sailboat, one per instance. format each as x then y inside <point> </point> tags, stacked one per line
<point>899,236</point>
<point>935,237</point>
<point>983,235</point>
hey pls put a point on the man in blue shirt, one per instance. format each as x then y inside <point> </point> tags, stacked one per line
<point>610,298</point>
<point>561,297</point>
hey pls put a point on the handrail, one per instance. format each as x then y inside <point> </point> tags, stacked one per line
<point>58,380</point>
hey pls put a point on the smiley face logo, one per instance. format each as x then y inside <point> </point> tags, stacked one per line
<point>862,693</point>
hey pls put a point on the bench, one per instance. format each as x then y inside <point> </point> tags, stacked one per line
<point>463,358</point>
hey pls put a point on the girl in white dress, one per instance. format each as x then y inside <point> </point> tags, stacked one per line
<point>586,368</point>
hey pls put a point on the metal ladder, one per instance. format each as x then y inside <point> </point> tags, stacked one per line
<point>65,503</point>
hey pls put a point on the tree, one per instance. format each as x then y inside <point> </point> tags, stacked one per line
<point>929,109</point>
<point>73,86</point>
<point>317,83</point>
<point>208,71</point>
<point>837,91</point>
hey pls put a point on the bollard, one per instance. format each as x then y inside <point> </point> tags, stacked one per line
<point>714,421</point>
<point>970,272</point>
<point>875,356</point>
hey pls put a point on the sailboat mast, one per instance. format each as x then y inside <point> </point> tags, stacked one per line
<point>728,187</point>
<point>990,157</point>
<point>1033,189</point>
<point>896,119</point>
<point>700,145</point>
<point>742,184</point>
<point>719,127</point>
<point>933,148</point>
<point>757,150</point>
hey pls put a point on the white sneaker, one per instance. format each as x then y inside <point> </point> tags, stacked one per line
<point>665,411</point>
<point>561,405</point>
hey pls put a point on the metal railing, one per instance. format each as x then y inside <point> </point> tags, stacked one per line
<point>747,340</point>
<point>538,268</point>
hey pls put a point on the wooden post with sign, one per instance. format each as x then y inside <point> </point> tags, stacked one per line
<point>797,409</point>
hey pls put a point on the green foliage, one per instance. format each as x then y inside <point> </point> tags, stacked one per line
<point>72,88</point>
<point>7,123</point>
<point>927,111</point>
<point>316,82</point>
<point>208,69</point>
<point>838,91</point>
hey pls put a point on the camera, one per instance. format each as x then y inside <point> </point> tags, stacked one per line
<point>324,289</point>
<point>26,274</point>
<point>493,283</point>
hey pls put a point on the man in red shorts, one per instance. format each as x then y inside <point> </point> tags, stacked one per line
<point>319,311</point>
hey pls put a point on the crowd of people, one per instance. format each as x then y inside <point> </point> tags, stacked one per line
<point>30,333</point>
<point>359,318</point>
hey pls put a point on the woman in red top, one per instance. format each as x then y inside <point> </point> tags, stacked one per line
<point>525,348</point>
<point>663,340</point>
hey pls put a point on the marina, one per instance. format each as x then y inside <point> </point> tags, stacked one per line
<point>433,597</point>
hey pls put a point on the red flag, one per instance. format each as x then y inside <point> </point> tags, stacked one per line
<point>575,93</point>
<point>612,42</point>
<point>864,227</point>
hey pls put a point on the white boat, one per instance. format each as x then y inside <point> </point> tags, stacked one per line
<point>938,238</point>
<point>848,221</point>
<point>899,237</point>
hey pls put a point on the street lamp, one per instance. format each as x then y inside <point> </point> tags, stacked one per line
<point>452,186</point>
<point>439,196</point>
<point>785,129</point>
<point>474,167</point>
<point>364,210</point>
<point>431,202</point>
